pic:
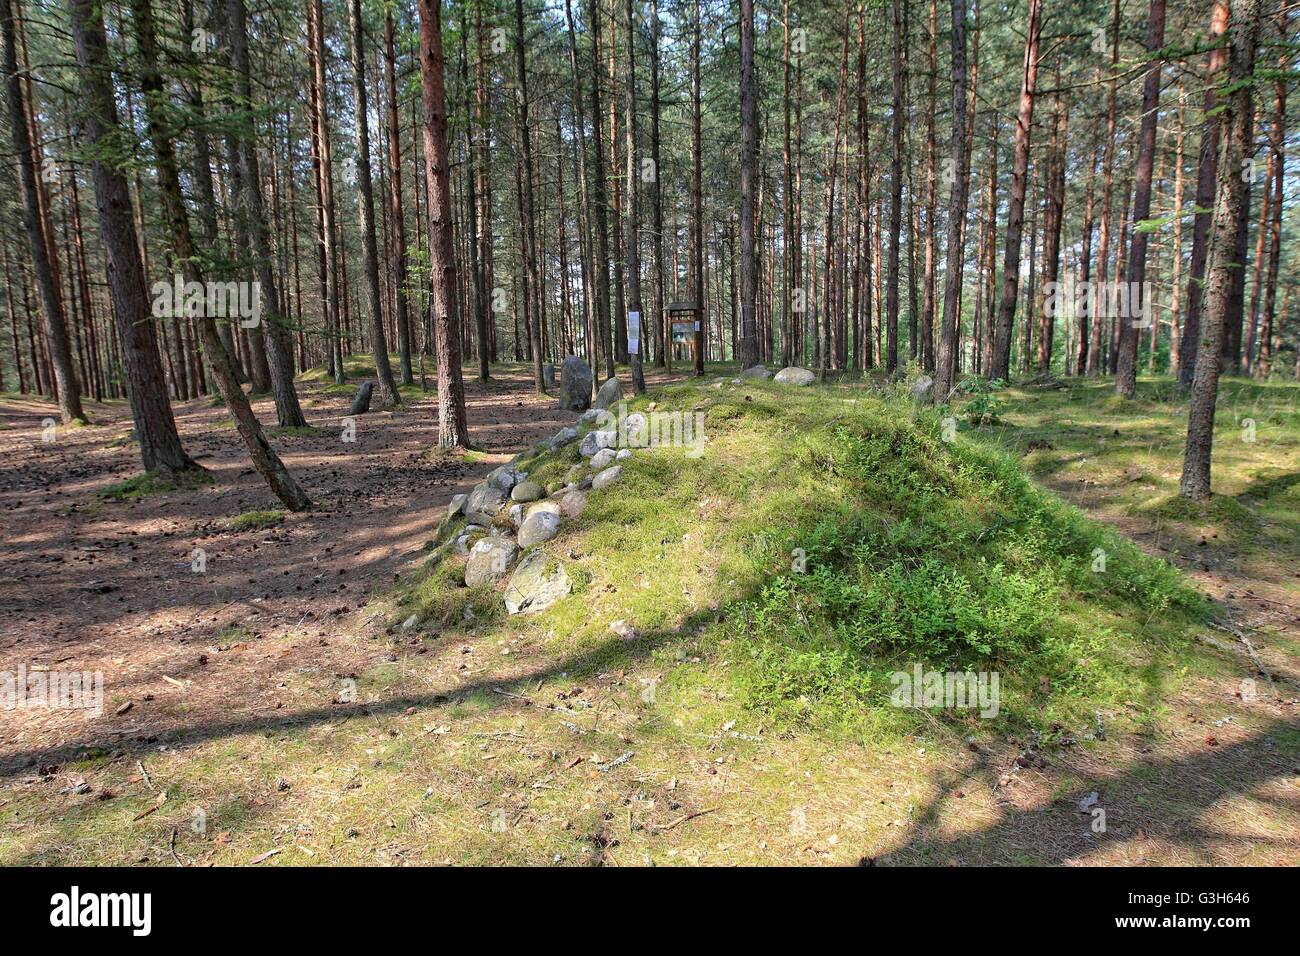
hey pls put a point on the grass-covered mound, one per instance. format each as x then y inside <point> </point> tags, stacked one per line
<point>829,537</point>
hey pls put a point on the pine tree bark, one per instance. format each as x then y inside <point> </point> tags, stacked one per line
<point>397,226</point>
<point>896,191</point>
<point>56,326</point>
<point>278,348</point>
<point>1126,372</point>
<point>599,201</point>
<point>1000,366</point>
<point>945,366</point>
<point>453,426</point>
<point>264,458</point>
<point>632,231</point>
<point>1206,178</point>
<point>529,225</point>
<point>155,428</point>
<point>387,395</point>
<point>747,346</point>
<point>1235,132</point>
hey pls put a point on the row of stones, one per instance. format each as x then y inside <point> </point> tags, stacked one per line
<point>533,513</point>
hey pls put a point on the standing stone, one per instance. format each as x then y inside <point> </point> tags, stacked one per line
<point>575,384</point>
<point>548,375</point>
<point>361,404</point>
<point>609,393</point>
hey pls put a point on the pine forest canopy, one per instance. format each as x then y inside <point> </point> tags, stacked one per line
<point>208,196</point>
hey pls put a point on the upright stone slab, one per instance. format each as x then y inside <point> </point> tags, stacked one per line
<point>361,404</point>
<point>609,393</point>
<point>575,384</point>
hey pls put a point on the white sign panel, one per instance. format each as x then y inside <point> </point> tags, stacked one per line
<point>634,332</point>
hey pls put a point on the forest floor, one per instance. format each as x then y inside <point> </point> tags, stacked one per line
<point>224,739</point>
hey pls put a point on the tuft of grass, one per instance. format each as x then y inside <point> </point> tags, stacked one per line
<point>151,483</point>
<point>253,520</point>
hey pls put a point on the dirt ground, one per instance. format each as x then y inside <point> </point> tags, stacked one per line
<point>233,666</point>
<point>101,585</point>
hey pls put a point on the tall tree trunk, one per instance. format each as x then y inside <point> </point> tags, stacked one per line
<point>397,227</point>
<point>896,188</point>
<point>663,333</point>
<point>631,234</point>
<point>155,428</point>
<point>1000,367</point>
<point>599,199</point>
<point>1126,375</point>
<point>263,456</point>
<point>387,394</point>
<point>279,350</point>
<point>945,369</point>
<point>931,160</point>
<point>747,347</point>
<point>56,327</point>
<point>1235,132</point>
<point>1278,143</point>
<point>529,225</point>
<point>453,426</point>
<point>333,302</point>
<point>1096,354</point>
<point>1207,174</point>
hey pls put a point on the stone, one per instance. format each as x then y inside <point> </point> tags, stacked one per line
<point>410,622</point>
<point>603,459</point>
<point>794,375</point>
<point>575,473</point>
<point>361,404</point>
<point>564,436</point>
<point>457,505</point>
<point>548,375</point>
<point>538,527</point>
<point>505,477</point>
<point>590,415</point>
<point>921,389</point>
<point>526,491</point>
<point>484,503</point>
<point>609,393</point>
<point>623,454</point>
<point>466,540</point>
<point>623,630</point>
<point>594,441</point>
<point>552,507</point>
<point>573,504</point>
<point>575,384</point>
<point>761,372</point>
<point>489,560</point>
<point>516,514</point>
<point>607,477</point>
<point>538,582</point>
<point>636,430</point>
